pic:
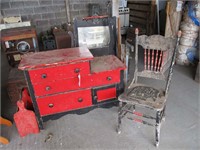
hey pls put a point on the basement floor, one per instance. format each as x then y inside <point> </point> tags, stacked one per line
<point>97,129</point>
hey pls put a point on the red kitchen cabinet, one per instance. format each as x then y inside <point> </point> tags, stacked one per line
<point>69,80</point>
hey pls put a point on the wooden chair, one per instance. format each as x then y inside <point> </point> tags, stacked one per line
<point>159,58</point>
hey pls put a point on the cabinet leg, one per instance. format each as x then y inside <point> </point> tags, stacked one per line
<point>119,118</point>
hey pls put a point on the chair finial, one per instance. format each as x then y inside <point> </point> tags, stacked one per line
<point>136,31</point>
<point>179,33</point>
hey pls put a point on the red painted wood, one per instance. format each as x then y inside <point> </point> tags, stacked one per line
<point>149,57</point>
<point>145,59</point>
<point>54,58</point>
<point>138,114</point>
<point>25,120</point>
<point>106,94</point>
<point>159,62</point>
<point>138,120</point>
<point>62,85</point>
<point>102,78</point>
<point>155,67</point>
<point>64,102</point>
<point>27,99</point>
<point>152,60</point>
<point>163,60</point>
<point>59,72</point>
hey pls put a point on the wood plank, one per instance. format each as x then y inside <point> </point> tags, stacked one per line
<point>173,19</point>
<point>15,25</point>
<point>140,14</point>
<point>137,20</point>
<point>140,7</point>
<point>138,25</point>
<point>139,2</point>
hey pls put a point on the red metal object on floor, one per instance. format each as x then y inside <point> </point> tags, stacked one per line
<point>27,99</point>
<point>25,120</point>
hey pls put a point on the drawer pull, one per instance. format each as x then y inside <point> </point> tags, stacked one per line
<point>109,78</point>
<point>51,105</point>
<point>48,88</point>
<point>80,99</point>
<point>77,70</point>
<point>44,76</point>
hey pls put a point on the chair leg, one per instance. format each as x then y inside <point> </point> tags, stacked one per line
<point>119,118</point>
<point>163,116</point>
<point>158,124</point>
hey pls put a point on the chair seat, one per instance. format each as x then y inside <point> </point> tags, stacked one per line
<point>144,95</point>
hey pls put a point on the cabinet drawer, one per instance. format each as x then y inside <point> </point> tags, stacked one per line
<point>105,78</point>
<point>87,81</point>
<point>64,102</point>
<point>46,88</point>
<point>59,72</point>
<point>106,94</point>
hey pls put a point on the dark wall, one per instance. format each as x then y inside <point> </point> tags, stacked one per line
<point>42,13</point>
<point>45,14</point>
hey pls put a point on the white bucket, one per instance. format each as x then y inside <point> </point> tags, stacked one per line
<point>189,26</point>
<point>189,34</point>
<point>182,49</point>
<point>198,14</point>
<point>182,59</point>
<point>187,41</point>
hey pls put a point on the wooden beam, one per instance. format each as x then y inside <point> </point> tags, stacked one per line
<point>140,7</point>
<point>138,20</point>
<point>139,2</point>
<point>140,14</point>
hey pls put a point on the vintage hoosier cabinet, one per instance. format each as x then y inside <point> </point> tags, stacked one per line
<point>70,80</point>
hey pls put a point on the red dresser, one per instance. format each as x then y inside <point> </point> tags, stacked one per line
<point>67,80</point>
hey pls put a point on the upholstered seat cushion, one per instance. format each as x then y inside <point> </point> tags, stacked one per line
<point>144,95</point>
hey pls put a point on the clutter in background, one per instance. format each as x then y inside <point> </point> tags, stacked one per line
<point>57,38</point>
<point>187,51</point>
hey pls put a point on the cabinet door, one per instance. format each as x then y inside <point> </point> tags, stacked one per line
<point>104,93</point>
<point>64,102</point>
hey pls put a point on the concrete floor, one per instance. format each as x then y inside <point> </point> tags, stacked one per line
<point>97,129</point>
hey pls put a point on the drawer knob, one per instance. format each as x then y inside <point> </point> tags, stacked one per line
<point>77,70</point>
<point>95,97</point>
<point>80,99</point>
<point>109,78</point>
<point>48,88</point>
<point>51,105</point>
<point>44,76</point>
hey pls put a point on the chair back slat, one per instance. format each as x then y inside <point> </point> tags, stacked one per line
<point>158,56</point>
<point>148,59</point>
<point>156,60</point>
<point>145,61</point>
<point>160,62</point>
<point>163,58</point>
<point>152,60</point>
